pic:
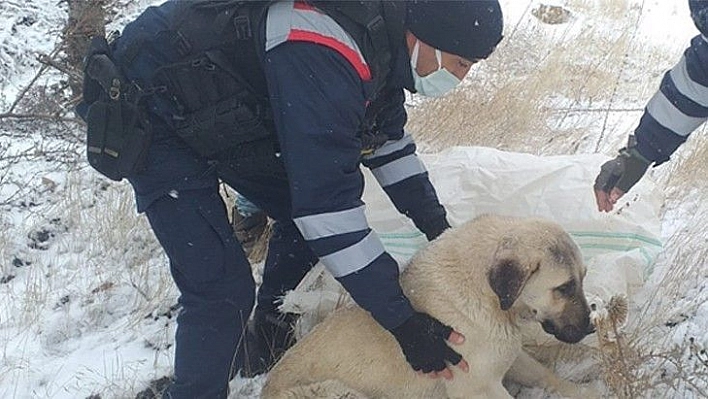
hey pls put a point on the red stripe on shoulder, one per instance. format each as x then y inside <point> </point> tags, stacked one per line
<point>301,5</point>
<point>347,52</point>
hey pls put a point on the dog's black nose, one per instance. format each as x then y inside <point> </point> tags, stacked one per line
<point>548,327</point>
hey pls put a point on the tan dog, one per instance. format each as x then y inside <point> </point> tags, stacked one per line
<point>484,279</point>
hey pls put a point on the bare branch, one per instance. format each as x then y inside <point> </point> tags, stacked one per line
<point>52,117</point>
<point>49,61</point>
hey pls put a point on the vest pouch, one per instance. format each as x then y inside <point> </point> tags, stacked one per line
<point>214,107</point>
<point>220,127</point>
<point>197,83</point>
<point>117,138</point>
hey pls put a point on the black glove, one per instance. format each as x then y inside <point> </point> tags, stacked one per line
<point>435,228</point>
<point>422,339</point>
<point>624,171</point>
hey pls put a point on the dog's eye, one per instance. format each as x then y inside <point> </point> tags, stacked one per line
<point>566,289</point>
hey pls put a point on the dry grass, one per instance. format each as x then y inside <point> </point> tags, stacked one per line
<point>121,234</point>
<point>691,163</point>
<point>643,361</point>
<point>612,9</point>
<point>512,99</point>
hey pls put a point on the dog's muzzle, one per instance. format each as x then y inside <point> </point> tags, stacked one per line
<point>569,333</point>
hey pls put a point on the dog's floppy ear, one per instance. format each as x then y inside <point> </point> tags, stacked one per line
<point>507,276</point>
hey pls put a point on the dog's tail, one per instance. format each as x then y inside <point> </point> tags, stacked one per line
<point>329,389</point>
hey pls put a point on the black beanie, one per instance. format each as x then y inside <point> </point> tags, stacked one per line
<point>699,13</point>
<point>468,28</point>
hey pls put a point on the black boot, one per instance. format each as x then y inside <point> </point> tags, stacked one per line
<point>156,389</point>
<point>268,336</point>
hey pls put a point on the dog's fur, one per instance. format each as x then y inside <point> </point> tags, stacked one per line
<point>483,278</point>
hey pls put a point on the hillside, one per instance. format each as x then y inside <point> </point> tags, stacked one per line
<point>87,304</point>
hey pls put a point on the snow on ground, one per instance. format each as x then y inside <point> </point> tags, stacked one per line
<point>87,305</point>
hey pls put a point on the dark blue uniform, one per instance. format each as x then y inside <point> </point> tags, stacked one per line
<point>681,104</point>
<point>312,186</point>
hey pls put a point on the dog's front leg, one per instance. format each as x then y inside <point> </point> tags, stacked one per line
<point>529,372</point>
<point>492,390</point>
<point>475,384</point>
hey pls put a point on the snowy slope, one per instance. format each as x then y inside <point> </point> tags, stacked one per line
<point>86,302</point>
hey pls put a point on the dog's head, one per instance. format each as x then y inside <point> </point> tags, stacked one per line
<point>538,266</point>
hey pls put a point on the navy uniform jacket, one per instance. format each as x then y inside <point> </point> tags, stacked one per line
<point>318,83</point>
<point>681,104</point>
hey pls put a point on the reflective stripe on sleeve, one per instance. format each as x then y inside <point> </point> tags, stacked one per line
<point>398,170</point>
<point>667,115</point>
<point>323,225</point>
<point>391,146</point>
<point>689,88</point>
<point>354,258</point>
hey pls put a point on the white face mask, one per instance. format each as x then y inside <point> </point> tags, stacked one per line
<point>436,83</point>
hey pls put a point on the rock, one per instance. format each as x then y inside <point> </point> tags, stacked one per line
<point>551,15</point>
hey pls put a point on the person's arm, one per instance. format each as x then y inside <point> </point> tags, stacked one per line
<point>402,175</point>
<point>318,103</point>
<point>678,108</point>
<point>671,115</point>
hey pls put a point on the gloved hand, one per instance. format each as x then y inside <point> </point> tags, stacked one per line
<point>618,175</point>
<point>434,229</point>
<point>422,339</point>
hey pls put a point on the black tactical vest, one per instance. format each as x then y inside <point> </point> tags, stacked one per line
<point>196,65</point>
